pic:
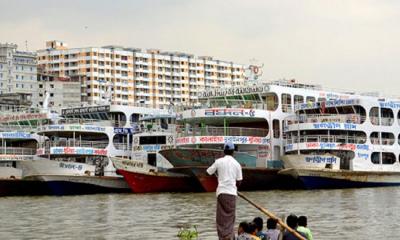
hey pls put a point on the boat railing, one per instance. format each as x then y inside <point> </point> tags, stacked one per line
<point>17,151</point>
<point>221,131</point>
<point>319,118</point>
<point>76,143</point>
<point>343,139</point>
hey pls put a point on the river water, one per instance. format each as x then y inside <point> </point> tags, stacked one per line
<point>372,213</point>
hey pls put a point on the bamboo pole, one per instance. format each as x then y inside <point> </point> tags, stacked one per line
<point>271,215</point>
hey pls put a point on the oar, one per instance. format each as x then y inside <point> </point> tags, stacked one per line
<point>271,215</point>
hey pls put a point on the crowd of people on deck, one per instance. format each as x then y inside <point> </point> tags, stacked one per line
<point>254,230</point>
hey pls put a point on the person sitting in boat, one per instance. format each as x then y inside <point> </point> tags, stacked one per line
<point>303,227</point>
<point>229,177</point>
<point>272,232</point>
<point>292,222</point>
<point>258,221</point>
<point>247,231</point>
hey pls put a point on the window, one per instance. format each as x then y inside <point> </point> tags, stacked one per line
<point>388,158</point>
<point>286,102</point>
<point>298,99</point>
<point>310,99</point>
<point>276,129</point>
<point>374,115</point>
<point>272,101</point>
<point>376,157</point>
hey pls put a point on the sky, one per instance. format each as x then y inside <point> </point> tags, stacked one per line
<point>349,45</point>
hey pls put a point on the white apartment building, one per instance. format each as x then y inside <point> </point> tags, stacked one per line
<point>130,76</point>
<point>18,71</point>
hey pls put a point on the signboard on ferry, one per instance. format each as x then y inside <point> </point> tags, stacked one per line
<point>224,112</point>
<point>330,103</point>
<point>15,135</point>
<point>86,128</point>
<point>85,110</point>
<point>22,117</point>
<point>221,140</point>
<point>78,151</point>
<point>232,91</point>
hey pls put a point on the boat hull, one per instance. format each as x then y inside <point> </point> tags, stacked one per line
<point>254,179</point>
<point>74,185</point>
<point>151,182</point>
<point>336,179</point>
<point>20,187</point>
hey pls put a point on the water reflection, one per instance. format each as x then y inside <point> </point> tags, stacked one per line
<point>332,214</point>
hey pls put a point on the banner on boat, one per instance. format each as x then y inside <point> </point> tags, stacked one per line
<point>86,128</point>
<point>327,145</point>
<point>224,112</point>
<point>85,110</point>
<point>232,91</point>
<point>78,150</point>
<point>330,103</point>
<point>23,117</point>
<point>15,135</point>
<point>221,140</point>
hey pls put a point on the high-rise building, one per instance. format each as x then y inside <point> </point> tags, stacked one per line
<point>18,71</point>
<point>132,76</point>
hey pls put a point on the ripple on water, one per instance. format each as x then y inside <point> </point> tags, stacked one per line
<point>333,214</point>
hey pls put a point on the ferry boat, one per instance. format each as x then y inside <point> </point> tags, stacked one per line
<point>78,148</point>
<point>250,117</point>
<point>18,122</point>
<point>147,171</point>
<point>344,143</point>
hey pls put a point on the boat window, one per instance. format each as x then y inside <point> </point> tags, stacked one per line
<point>376,157</point>
<point>152,159</point>
<point>275,125</point>
<point>152,140</point>
<point>387,117</point>
<point>310,99</point>
<point>374,115</point>
<point>272,101</point>
<point>286,102</point>
<point>374,137</point>
<point>387,138</point>
<point>321,99</point>
<point>298,99</point>
<point>388,158</point>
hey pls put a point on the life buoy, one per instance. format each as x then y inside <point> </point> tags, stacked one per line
<point>255,70</point>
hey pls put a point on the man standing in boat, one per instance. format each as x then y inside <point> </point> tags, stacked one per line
<point>229,173</point>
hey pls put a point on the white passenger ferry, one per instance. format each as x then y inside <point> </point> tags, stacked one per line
<point>79,145</point>
<point>19,141</point>
<point>344,143</point>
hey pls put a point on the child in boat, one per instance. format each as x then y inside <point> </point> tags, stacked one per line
<point>292,222</point>
<point>247,231</point>
<point>272,232</point>
<point>258,222</point>
<point>303,227</point>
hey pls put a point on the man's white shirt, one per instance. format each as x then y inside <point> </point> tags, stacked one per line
<point>229,171</point>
